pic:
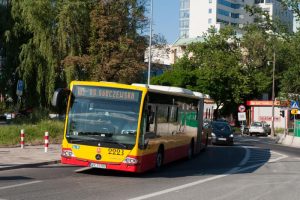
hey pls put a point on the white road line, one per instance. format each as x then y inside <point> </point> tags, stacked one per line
<point>246,158</point>
<point>230,172</point>
<point>82,169</point>
<point>185,185</point>
<point>19,185</point>
<point>282,156</point>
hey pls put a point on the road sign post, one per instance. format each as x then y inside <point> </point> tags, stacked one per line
<point>295,107</point>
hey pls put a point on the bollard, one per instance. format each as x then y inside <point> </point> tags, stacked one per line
<point>22,138</point>
<point>46,141</point>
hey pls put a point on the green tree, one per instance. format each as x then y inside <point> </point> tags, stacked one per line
<point>117,49</point>
<point>257,54</point>
<point>290,85</point>
<point>212,67</point>
<point>73,35</point>
<point>38,59</point>
<point>59,41</point>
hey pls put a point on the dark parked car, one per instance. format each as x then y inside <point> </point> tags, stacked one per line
<point>222,133</point>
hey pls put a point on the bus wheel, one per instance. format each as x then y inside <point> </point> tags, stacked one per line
<point>191,150</point>
<point>159,158</point>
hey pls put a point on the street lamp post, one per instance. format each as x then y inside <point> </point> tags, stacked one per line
<point>150,43</point>
<point>273,95</point>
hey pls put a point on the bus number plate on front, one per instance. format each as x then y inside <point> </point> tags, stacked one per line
<point>119,152</point>
<point>98,165</point>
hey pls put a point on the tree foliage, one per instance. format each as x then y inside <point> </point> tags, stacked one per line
<point>212,67</point>
<point>117,50</point>
<point>60,41</point>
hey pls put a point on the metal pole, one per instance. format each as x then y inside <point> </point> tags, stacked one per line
<point>285,117</point>
<point>273,96</point>
<point>150,43</point>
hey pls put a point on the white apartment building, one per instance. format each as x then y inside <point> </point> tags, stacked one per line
<point>197,16</point>
<point>277,12</point>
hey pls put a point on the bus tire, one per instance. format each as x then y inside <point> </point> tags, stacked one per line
<point>159,158</point>
<point>191,150</point>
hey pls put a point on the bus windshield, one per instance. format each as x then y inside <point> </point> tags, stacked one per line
<point>106,117</point>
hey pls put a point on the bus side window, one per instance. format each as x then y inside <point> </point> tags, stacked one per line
<point>150,119</point>
<point>150,115</point>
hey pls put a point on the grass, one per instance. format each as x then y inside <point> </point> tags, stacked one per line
<point>34,133</point>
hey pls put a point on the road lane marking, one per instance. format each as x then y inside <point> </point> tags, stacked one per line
<point>230,172</point>
<point>246,157</point>
<point>82,169</point>
<point>19,185</point>
<point>185,185</point>
<point>281,156</point>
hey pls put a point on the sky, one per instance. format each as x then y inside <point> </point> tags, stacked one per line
<point>166,19</point>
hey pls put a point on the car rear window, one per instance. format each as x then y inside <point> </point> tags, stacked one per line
<point>256,124</point>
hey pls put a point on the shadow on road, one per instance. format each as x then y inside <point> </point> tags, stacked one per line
<point>216,160</point>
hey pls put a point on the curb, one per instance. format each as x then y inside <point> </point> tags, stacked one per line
<point>30,165</point>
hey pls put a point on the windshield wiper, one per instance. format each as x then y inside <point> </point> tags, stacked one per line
<point>80,139</point>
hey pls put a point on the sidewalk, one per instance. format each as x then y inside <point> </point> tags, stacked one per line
<point>288,140</point>
<point>12,158</point>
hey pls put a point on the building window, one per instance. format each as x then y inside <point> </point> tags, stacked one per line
<point>259,1</point>
<point>229,4</point>
<point>222,21</point>
<point>235,15</point>
<point>184,24</point>
<point>209,20</point>
<point>209,10</point>
<point>184,4</point>
<point>209,1</point>
<point>184,14</point>
<point>223,12</point>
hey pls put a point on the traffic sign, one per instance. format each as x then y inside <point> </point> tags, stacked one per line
<point>242,116</point>
<point>294,111</point>
<point>294,104</point>
<point>242,108</point>
<point>20,87</point>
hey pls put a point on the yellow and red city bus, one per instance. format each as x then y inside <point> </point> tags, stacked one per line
<point>131,128</point>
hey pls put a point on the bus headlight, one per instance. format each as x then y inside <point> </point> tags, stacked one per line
<point>213,135</point>
<point>231,135</point>
<point>67,153</point>
<point>130,161</point>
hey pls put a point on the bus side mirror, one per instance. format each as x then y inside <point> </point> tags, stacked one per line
<point>60,99</point>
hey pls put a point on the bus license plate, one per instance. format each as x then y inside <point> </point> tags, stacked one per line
<point>223,139</point>
<point>97,165</point>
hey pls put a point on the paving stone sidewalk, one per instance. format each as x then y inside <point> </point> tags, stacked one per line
<point>12,158</point>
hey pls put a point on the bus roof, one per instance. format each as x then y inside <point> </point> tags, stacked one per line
<point>171,89</point>
<point>154,88</point>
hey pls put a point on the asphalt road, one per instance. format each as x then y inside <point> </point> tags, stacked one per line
<point>254,168</point>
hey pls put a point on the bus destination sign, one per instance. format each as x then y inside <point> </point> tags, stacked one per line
<point>106,93</point>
